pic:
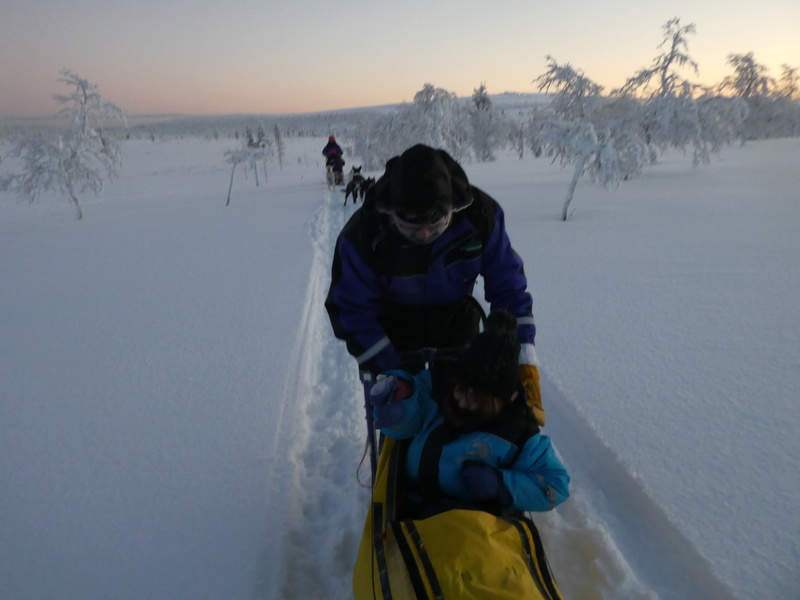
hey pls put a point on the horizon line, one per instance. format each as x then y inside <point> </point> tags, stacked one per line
<point>55,116</point>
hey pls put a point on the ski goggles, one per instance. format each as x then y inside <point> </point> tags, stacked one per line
<point>422,232</point>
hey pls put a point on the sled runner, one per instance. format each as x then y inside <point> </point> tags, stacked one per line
<point>458,553</point>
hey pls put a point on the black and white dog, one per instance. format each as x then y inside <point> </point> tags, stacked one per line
<point>357,186</point>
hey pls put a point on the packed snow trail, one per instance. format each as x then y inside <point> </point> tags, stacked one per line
<point>325,447</point>
<point>327,442</point>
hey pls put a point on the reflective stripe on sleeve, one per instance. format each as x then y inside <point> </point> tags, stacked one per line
<point>374,350</point>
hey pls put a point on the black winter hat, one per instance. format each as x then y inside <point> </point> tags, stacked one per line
<point>489,364</point>
<point>422,185</point>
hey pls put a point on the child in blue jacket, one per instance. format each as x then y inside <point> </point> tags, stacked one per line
<point>472,435</point>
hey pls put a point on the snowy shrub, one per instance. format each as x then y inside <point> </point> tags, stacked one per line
<point>436,118</point>
<point>773,106</point>
<point>485,124</point>
<point>280,146</point>
<point>75,161</point>
<point>254,151</point>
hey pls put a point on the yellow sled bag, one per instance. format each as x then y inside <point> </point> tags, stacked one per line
<point>457,554</point>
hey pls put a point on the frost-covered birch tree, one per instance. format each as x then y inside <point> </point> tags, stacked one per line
<point>612,138</point>
<point>721,119</point>
<point>789,83</point>
<point>380,137</point>
<point>750,78</point>
<point>259,150</point>
<point>77,161</point>
<point>280,146</point>
<point>254,151</point>
<point>435,118</point>
<point>568,131</point>
<point>485,123</point>
<point>668,116</point>
<point>772,107</point>
<point>787,97</point>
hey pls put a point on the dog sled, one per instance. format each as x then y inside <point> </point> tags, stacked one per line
<point>334,173</point>
<point>450,551</point>
<point>463,554</point>
<point>333,177</point>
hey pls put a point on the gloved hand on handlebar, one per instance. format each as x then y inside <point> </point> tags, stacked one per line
<point>384,395</point>
<point>529,377</point>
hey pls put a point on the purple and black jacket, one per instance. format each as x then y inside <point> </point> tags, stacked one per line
<point>379,279</point>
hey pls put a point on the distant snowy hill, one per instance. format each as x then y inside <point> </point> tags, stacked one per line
<point>208,126</point>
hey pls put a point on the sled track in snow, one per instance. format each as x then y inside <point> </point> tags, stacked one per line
<point>632,551</point>
<point>320,544</point>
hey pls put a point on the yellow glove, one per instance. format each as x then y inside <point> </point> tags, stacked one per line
<point>529,376</point>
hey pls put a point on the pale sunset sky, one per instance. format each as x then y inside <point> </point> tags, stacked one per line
<point>290,56</point>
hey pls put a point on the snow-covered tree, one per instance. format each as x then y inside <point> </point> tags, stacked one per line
<point>789,83</point>
<point>485,124</point>
<point>78,160</point>
<point>611,138</point>
<point>787,101</point>
<point>380,137</point>
<point>254,151</point>
<point>259,149</point>
<point>668,116</point>
<point>435,118</point>
<point>721,119</point>
<point>576,97</point>
<point>772,110</point>
<point>235,158</point>
<point>530,134</point>
<point>749,79</point>
<point>280,146</point>
<point>568,131</point>
<point>662,77</point>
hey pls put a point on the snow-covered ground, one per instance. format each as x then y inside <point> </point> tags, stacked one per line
<point>177,420</point>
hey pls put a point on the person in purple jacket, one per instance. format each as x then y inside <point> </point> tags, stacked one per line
<point>406,263</point>
<point>333,158</point>
<point>332,150</point>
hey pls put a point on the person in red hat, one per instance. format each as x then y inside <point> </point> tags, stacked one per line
<point>333,158</point>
